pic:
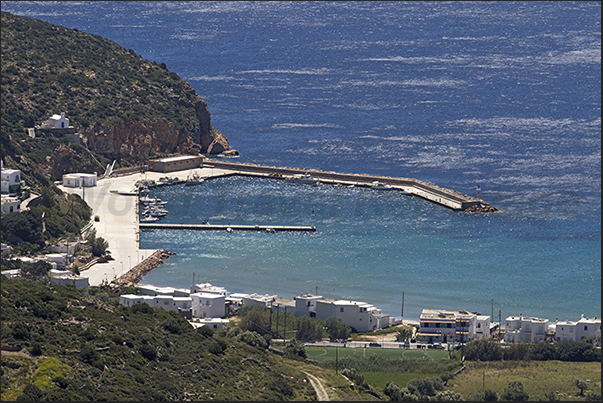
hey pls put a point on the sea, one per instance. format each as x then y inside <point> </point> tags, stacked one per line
<point>498,100</point>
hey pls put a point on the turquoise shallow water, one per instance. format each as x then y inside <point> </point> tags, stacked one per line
<point>501,95</point>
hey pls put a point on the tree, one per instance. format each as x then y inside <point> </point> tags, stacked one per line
<point>514,392</point>
<point>256,319</point>
<point>448,396</point>
<point>404,334</point>
<point>99,245</point>
<point>483,350</point>
<point>337,329</point>
<point>446,376</point>
<point>308,329</point>
<point>582,385</point>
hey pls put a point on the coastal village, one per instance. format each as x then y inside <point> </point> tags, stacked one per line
<point>117,198</point>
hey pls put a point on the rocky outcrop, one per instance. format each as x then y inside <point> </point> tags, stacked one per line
<point>211,140</point>
<point>136,141</point>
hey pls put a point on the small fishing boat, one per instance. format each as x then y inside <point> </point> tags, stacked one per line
<point>305,179</point>
<point>193,180</point>
<point>381,186</point>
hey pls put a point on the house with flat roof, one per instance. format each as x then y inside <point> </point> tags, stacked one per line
<point>577,330</point>
<point>78,180</point>
<point>442,326</point>
<point>208,305</point>
<point>208,288</point>
<point>305,305</point>
<point>525,329</point>
<point>11,180</point>
<point>358,315</point>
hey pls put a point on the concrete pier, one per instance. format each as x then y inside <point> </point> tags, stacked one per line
<point>426,190</point>
<point>213,227</point>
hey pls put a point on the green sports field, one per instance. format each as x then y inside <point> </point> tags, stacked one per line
<point>328,353</point>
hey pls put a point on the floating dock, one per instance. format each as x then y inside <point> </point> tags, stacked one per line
<point>214,227</point>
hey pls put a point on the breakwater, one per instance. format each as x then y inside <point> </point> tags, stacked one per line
<point>134,275</point>
<point>426,190</point>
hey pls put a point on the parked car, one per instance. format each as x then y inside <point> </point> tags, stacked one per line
<point>374,344</point>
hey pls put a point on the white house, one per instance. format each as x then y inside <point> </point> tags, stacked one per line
<point>148,289</point>
<point>68,278</point>
<point>212,323</point>
<point>78,180</point>
<point>305,305</point>
<point>259,300</point>
<point>360,316</point>
<point>208,305</point>
<point>577,330</point>
<point>167,302</point>
<point>525,329</point>
<point>58,121</point>
<point>482,327</point>
<point>208,288</point>
<point>10,204</point>
<point>11,180</point>
<point>437,325</point>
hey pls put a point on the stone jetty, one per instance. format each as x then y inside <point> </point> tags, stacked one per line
<point>136,274</point>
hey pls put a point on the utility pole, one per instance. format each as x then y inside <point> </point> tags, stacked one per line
<point>285,329</point>
<point>402,307</point>
<point>277,311</point>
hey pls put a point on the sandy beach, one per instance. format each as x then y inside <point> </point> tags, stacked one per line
<point>118,220</point>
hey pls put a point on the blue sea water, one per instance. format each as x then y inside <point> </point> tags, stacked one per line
<point>501,95</point>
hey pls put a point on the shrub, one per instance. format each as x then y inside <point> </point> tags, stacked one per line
<point>295,350</point>
<point>514,392</point>
<point>253,339</point>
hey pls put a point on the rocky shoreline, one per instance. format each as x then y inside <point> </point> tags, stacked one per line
<point>133,276</point>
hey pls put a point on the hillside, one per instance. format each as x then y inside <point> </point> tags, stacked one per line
<point>125,108</point>
<point>79,347</point>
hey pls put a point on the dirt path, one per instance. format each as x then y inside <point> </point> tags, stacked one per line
<point>318,387</point>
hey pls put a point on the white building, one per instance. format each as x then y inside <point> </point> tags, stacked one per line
<point>576,331</point>
<point>212,323</point>
<point>166,302</point>
<point>11,180</point>
<point>148,289</point>
<point>60,260</point>
<point>441,326</point>
<point>208,305</point>
<point>208,288</point>
<point>10,204</point>
<point>259,300</point>
<point>358,315</point>
<point>57,121</point>
<point>482,327</point>
<point>305,305</point>
<point>68,278</point>
<point>525,329</point>
<point>78,180</point>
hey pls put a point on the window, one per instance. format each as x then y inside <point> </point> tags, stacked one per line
<point>585,327</point>
<point>437,325</point>
<point>341,309</point>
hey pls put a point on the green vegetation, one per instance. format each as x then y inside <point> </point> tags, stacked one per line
<point>49,69</point>
<point>541,380</point>
<point>87,347</point>
<point>54,216</point>
<point>488,350</point>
